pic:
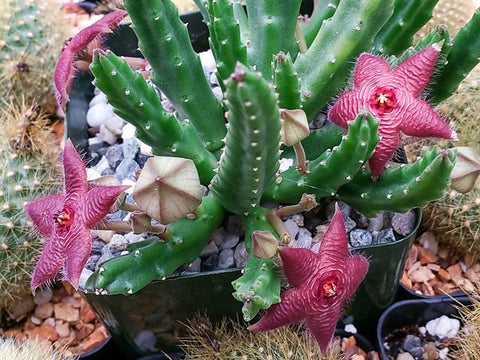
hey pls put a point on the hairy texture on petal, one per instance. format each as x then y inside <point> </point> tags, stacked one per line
<point>65,220</point>
<point>42,212</point>
<point>322,283</point>
<point>64,70</point>
<point>392,97</point>
<point>99,200</point>
<point>75,175</point>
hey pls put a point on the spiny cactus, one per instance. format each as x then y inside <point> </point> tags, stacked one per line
<point>28,168</point>
<point>228,340</point>
<point>274,84</point>
<point>31,35</point>
<point>11,348</point>
<point>468,340</point>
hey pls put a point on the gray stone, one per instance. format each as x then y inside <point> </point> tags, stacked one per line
<point>209,249</point>
<point>97,246</point>
<point>43,295</point>
<point>226,259</point>
<point>297,219</point>
<point>234,225</point>
<point>117,243</point>
<point>133,238</point>
<point>114,155</point>
<point>383,236</point>
<point>360,219</point>
<point>240,255</point>
<point>130,148</point>
<point>360,237</point>
<point>376,222</point>
<point>304,238</point>
<point>218,235</point>
<point>349,224</point>
<point>92,262</point>
<point>210,263</point>
<point>292,228</point>
<point>126,169</point>
<point>194,266</point>
<point>229,241</point>
<point>344,208</point>
<point>410,342</point>
<point>106,255</point>
<point>141,159</point>
<point>403,224</point>
<point>108,171</point>
<point>387,219</point>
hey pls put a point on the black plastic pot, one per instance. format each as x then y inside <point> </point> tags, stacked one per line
<point>411,312</point>
<point>407,293</point>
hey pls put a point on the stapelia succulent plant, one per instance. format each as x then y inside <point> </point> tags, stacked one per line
<point>277,73</point>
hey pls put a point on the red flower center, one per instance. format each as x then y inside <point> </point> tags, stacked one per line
<point>383,100</point>
<point>328,289</point>
<point>64,218</point>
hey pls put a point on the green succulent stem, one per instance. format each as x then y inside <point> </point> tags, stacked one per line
<point>154,259</point>
<point>176,69</point>
<point>274,22</point>
<point>402,188</point>
<point>250,160</point>
<point>138,103</point>
<point>321,13</point>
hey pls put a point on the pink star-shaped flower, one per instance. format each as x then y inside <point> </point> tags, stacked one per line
<point>65,221</point>
<point>65,69</point>
<point>321,284</point>
<point>392,97</point>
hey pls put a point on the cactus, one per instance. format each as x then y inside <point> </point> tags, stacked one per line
<point>29,169</point>
<point>467,341</point>
<point>273,89</point>
<point>11,348</point>
<point>30,40</point>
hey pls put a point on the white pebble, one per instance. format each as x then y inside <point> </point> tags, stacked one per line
<point>129,183</point>
<point>443,327</point>
<point>98,114</point>
<point>114,122</point>
<point>351,328</point>
<point>128,131</point>
<point>101,98</point>
<point>108,135</point>
<point>208,61</point>
<point>102,165</point>
<point>92,174</point>
<point>442,354</point>
<point>84,277</point>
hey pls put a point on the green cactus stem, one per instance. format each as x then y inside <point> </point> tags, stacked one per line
<point>286,82</point>
<point>335,167</point>
<point>259,286</point>
<point>274,24</point>
<point>402,188</point>
<point>252,146</point>
<point>321,13</point>
<point>225,40</point>
<point>138,103</point>
<point>326,66</point>
<point>408,17</point>
<point>461,59</point>
<point>176,68</point>
<point>156,260</point>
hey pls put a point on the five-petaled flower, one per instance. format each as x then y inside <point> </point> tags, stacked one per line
<point>392,96</point>
<point>65,220</point>
<point>321,284</point>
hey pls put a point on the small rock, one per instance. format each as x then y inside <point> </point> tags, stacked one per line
<point>410,342</point>
<point>114,123</point>
<point>229,241</point>
<point>99,114</point>
<point>210,263</point>
<point>35,320</point>
<point>360,219</point>
<point>240,255</point>
<point>349,224</point>
<point>292,228</point>
<point>21,307</point>
<point>97,246</point>
<point>98,99</point>
<point>141,159</point>
<point>403,224</point>
<point>84,277</point>
<point>376,222</point>
<point>66,312</point>
<point>209,249</point>
<point>126,169</point>
<point>443,354</point>
<point>44,331</point>
<point>133,238</point>
<point>118,243</point>
<point>226,259</point>
<point>114,155</point>
<point>44,311</point>
<point>102,165</point>
<point>94,340</point>
<point>315,247</point>
<point>422,274</point>
<point>145,340</point>
<point>130,147</point>
<point>92,262</point>
<point>405,356</point>
<point>72,301</point>
<point>304,238</point>
<point>443,327</point>
<point>106,255</point>
<point>360,237</point>
<point>128,131</point>
<point>429,242</point>
<point>383,236</point>
<point>43,295</point>
<point>430,351</point>
<point>218,235</point>
<point>297,219</point>
<point>62,328</point>
<point>350,328</point>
